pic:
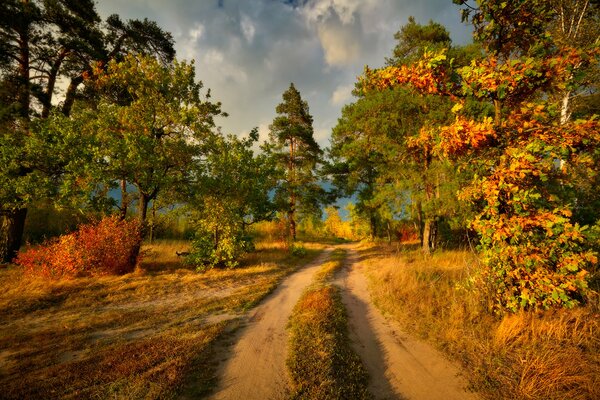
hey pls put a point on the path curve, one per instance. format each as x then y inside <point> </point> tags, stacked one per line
<point>255,368</point>
<point>400,367</point>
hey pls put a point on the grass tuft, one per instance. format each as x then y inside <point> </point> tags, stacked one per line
<point>321,361</point>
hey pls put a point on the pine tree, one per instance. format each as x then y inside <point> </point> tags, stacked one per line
<point>295,150</point>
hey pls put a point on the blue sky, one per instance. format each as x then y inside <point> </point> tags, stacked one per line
<point>248,51</point>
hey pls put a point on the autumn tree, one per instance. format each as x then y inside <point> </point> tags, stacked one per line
<point>374,149</point>
<point>535,251</point>
<point>40,43</point>
<point>292,144</point>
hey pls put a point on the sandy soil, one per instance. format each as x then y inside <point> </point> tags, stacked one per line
<point>400,367</point>
<point>255,366</point>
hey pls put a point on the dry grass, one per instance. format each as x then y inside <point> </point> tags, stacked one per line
<point>551,355</point>
<point>321,362</point>
<point>140,335</point>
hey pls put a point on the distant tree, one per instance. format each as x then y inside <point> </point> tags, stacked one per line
<point>292,144</point>
<point>413,38</point>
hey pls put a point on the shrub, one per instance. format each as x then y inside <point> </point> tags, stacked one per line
<point>297,250</point>
<point>219,248</point>
<point>107,247</point>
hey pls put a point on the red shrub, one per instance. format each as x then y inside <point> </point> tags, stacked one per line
<point>104,248</point>
<point>406,233</point>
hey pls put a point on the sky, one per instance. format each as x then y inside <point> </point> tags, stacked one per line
<point>249,51</point>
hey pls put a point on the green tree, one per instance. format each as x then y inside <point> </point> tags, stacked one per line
<point>297,154</point>
<point>153,129</point>
<point>375,149</point>
<point>42,41</point>
<point>229,192</point>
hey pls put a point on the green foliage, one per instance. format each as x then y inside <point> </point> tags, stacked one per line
<point>42,42</point>
<point>297,250</point>
<point>153,130</point>
<point>218,247</point>
<point>296,154</point>
<point>414,38</point>
<point>229,192</point>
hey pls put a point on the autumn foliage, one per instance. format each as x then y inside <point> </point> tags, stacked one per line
<point>536,251</point>
<point>103,248</point>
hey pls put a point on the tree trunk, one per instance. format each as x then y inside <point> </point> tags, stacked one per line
<point>373,225</point>
<point>429,237</point>
<point>421,222</point>
<point>143,211</point>
<point>124,199</point>
<point>292,209</point>
<point>70,96</point>
<point>497,112</point>
<point>153,223</point>
<point>11,233</point>
<point>292,222</point>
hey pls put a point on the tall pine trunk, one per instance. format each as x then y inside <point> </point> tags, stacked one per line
<point>12,223</point>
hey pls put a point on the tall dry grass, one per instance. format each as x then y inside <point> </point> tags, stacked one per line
<point>549,355</point>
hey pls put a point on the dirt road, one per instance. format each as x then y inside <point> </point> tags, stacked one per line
<point>400,367</point>
<point>255,367</point>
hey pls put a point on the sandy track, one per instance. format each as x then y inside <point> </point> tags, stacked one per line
<point>400,367</point>
<point>255,367</point>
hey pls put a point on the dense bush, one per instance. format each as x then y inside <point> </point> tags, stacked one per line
<point>103,248</point>
<point>218,246</point>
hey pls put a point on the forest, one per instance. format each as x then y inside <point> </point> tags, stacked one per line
<point>472,173</point>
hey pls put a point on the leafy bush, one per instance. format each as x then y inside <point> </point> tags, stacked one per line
<point>107,247</point>
<point>298,250</point>
<point>222,246</point>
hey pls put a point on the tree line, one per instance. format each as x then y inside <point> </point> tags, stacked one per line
<point>135,120</point>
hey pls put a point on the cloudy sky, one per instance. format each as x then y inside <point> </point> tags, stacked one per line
<point>248,51</point>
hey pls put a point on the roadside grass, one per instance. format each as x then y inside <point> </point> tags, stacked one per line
<point>140,335</point>
<point>546,355</point>
<point>321,362</point>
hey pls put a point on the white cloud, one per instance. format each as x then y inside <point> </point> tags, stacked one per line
<point>340,45</point>
<point>342,94</point>
<point>248,28</point>
<point>248,51</point>
<point>196,32</point>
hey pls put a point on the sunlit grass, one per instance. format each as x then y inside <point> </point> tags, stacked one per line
<point>139,335</point>
<point>321,362</point>
<point>550,355</point>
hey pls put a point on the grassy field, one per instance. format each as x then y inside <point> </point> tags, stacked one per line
<point>321,362</point>
<point>550,355</point>
<point>140,335</point>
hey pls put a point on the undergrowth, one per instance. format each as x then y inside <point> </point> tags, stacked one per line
<point>321,362</point>
<point>543,355</point>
